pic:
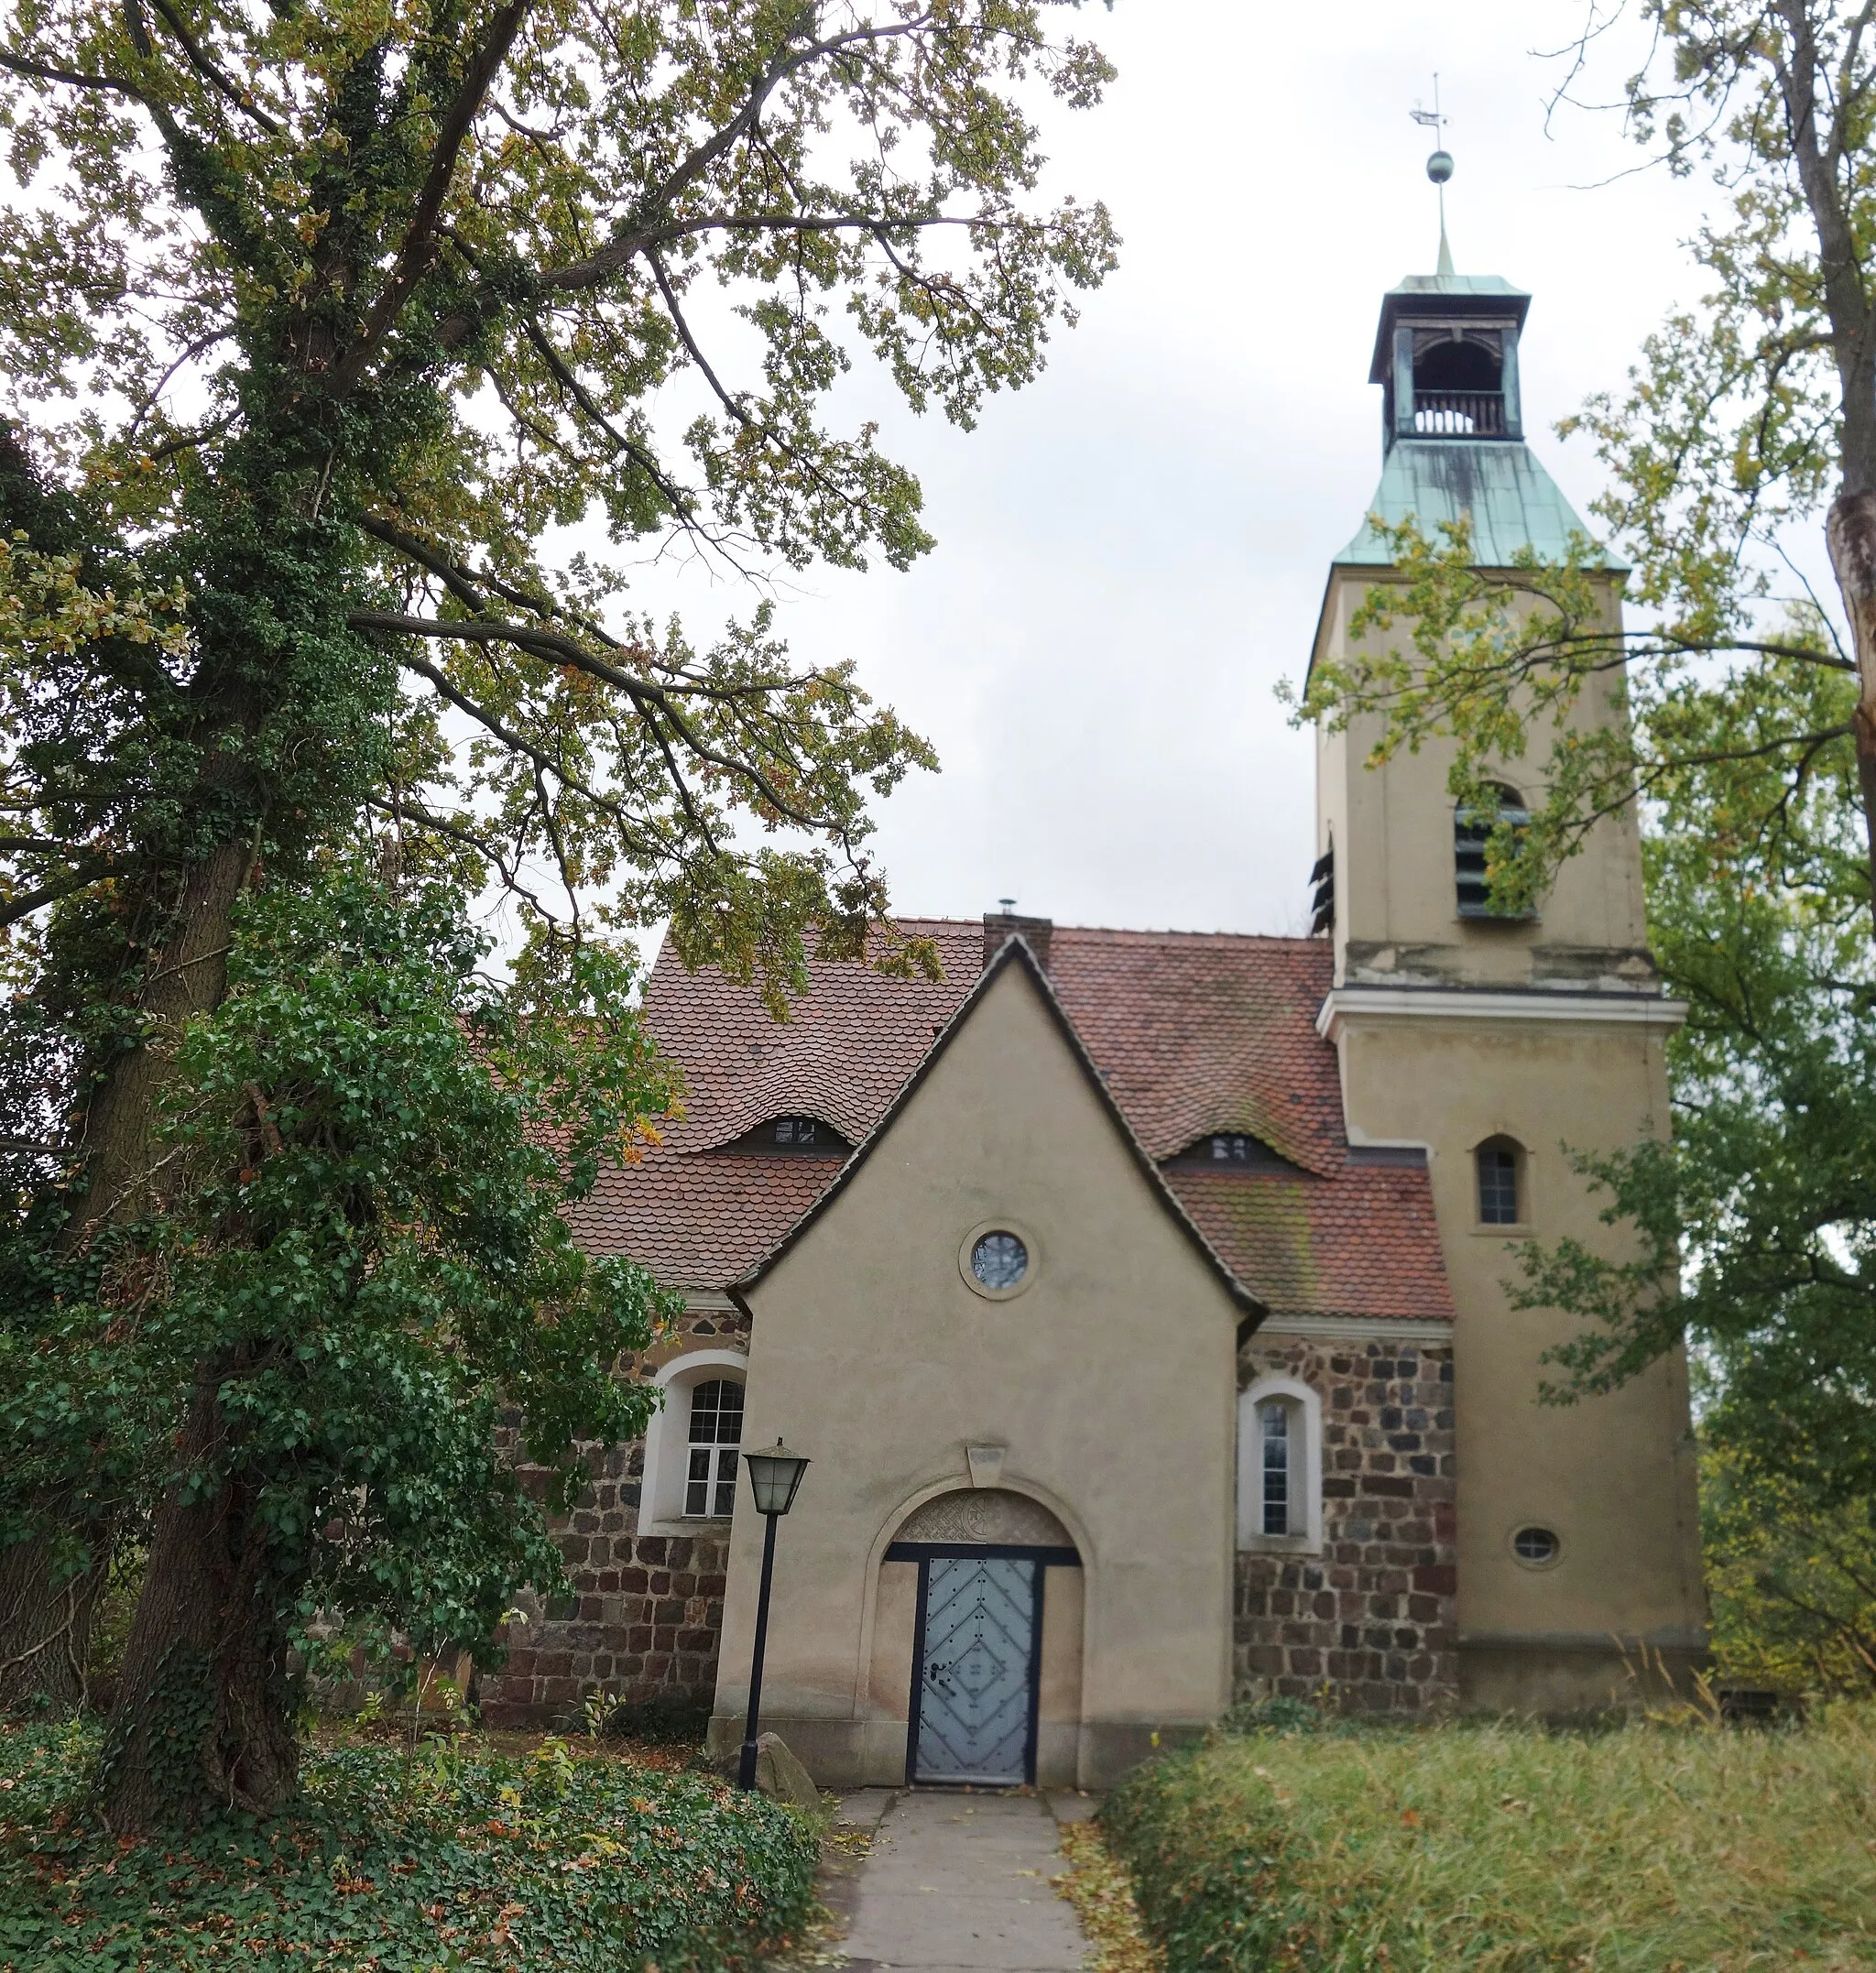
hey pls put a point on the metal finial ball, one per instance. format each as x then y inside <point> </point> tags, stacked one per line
<point>1439,167</point>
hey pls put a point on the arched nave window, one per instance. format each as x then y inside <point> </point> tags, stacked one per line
<point>691,1457</point>
<point>716,1430</point>
<point>1280,1465</point>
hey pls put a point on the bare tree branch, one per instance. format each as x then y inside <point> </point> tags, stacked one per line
<point>216,77</point>
<point>544,762</point>
<point>201,346</point>
<point>46,72</point>
<point>680,502</point>
<point>630,241</point>
<point>23,906</point>
<point>727,398</point>
<point>645,694</point>
<point>419,236</point>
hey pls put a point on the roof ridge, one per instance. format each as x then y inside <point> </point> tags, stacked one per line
<point>974,926</point>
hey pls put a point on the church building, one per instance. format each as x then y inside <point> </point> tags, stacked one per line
<point>1140,1296</point>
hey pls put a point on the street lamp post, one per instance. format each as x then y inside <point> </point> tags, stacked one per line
<point>775,1474</point>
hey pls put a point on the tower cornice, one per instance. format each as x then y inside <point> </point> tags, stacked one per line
<point>1587,1007</point>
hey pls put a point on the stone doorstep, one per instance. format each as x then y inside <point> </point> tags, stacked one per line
<point>866,1807</point>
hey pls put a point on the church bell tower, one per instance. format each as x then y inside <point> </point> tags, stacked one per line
<point>1501,1046</point>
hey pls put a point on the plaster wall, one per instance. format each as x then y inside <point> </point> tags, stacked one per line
<point>1396,912</point>
<point>1614,1476</point>
<point>1334,792</point>
<point>895,1627</point>
<point>1109,1377</point>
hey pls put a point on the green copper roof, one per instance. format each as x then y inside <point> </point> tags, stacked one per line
<point>1486,296</point>
<point>1513,502</point>
<point>1459,284</point>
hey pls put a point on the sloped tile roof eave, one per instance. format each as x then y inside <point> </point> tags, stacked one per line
<point>1014,950</point>
<point>1182,1034</point>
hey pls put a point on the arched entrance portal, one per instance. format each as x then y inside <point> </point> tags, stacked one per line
<point>993,1584</point>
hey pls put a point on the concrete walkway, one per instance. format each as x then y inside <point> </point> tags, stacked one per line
<point>956,1883</point>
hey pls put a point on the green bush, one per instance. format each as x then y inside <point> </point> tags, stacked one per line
<point>465,1860</point>
<point>1642,1849</point>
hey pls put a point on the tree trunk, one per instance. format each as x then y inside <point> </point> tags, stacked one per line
<point>1851,532</point>
<point>203,1716</point>
<point>45,1628</point>
<point>188,975</point>
<point>42,1650</point>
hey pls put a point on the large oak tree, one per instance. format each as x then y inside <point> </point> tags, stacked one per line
<point>333,335</point>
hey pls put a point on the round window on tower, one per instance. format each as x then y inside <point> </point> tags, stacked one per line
<point>1537,1548</point>
<point>997,1260</point>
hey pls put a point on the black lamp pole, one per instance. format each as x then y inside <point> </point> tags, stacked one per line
<point>746,1773</point>
<point>774,1476</point>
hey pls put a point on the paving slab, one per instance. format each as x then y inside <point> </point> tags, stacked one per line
<point>863,1809</point>
<point>958,1884</point>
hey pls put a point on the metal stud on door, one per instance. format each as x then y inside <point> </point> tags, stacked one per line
<point>975,1686</point>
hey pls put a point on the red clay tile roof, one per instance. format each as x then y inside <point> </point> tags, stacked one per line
<point>850,1042</point>
<point>1205,1031</point>
<point>1192,1033</point>
<point>1362,1243</point>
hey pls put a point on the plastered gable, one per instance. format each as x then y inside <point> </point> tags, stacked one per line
<point>1109,1377</point>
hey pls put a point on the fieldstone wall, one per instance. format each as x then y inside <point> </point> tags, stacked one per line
<point>644,1622</point>
<point>1369,1622</point>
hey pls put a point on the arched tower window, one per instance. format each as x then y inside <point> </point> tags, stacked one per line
<point>1472,829</point>
<point>1458,382</point>
<point>1500,1163</point>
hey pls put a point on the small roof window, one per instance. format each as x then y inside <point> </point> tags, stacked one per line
<point>1232,1151</point>
<point>792,1136</point>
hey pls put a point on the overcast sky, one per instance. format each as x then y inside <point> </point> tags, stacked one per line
<point>1131,553</point>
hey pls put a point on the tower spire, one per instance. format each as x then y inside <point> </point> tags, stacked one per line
<point>1439,167</point>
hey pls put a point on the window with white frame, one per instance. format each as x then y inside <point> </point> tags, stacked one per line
<point>1276,1491</point>
<point>1280,1465</point>
<point>717,1430</point>
<point>691,1442</point>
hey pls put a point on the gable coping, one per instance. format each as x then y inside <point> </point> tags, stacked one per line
<point>1014,950</point>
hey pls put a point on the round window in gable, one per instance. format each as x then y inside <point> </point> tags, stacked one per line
<point>999,1261</point>
<point>1536,1548</point>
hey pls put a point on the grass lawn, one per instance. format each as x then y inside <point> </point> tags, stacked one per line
<point>1668,1848</point>
<point>557,1858</point>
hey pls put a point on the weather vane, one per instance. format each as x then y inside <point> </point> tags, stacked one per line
<point>1439,167</point>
